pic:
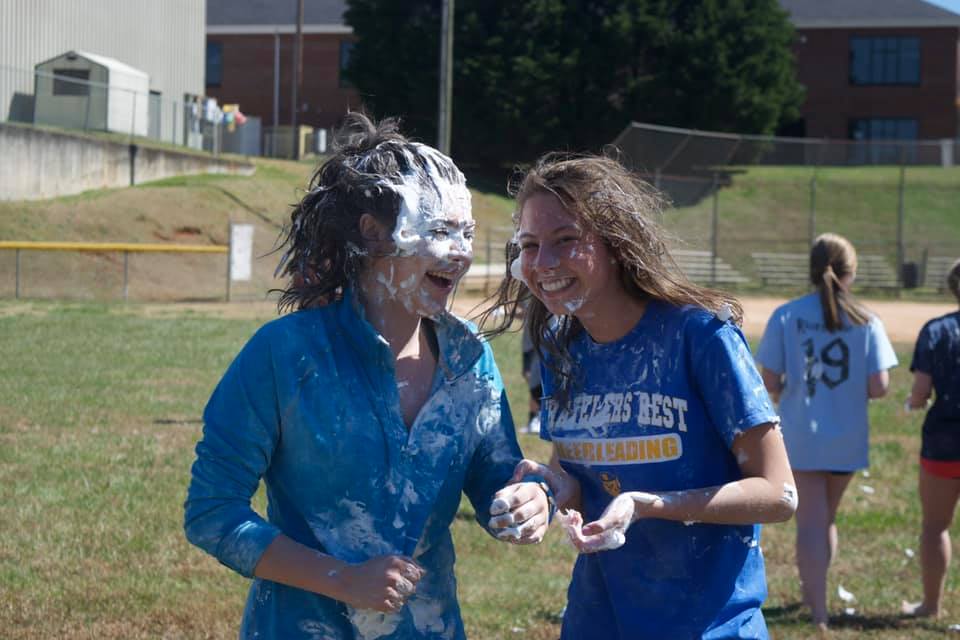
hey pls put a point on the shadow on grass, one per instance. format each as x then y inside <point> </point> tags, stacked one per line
<point>795,615</point>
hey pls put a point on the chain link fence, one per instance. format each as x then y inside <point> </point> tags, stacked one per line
<point>746,208</point>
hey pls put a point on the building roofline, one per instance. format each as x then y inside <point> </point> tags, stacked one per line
<point>271,29</point>
<point>876,23</point>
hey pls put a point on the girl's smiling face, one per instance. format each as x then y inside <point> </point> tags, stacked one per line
<point>569,269</point>
<point>432,245</point>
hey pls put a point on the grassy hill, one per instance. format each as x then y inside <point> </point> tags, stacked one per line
<point>768,209</point>
<point>761,209</point>
<point>186,209</point>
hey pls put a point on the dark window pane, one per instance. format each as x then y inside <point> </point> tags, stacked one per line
<point>346,48</point>
<point>859,60</point>
<point>884,60</point>
<point>71,82</point>
<point>214,71</point>
<point>910,61</point>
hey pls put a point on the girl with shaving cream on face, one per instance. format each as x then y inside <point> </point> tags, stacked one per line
<point>664,438</point>
<point>824,356</point>
<point>366,412</point>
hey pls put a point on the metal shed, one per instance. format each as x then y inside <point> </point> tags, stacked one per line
<point>78,89</point>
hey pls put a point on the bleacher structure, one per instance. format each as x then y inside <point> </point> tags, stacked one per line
<point>701,267</point>
<point>793,269</point>
<point>935,272</point>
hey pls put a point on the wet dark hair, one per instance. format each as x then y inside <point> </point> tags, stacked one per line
<point>323,250</point>
<point>832,258</point>
<point>621,209</point>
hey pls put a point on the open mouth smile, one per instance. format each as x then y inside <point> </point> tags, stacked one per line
<point>554,286</point>
<point>442,280</point>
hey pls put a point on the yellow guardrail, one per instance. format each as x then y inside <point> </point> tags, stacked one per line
<point>114,246</point>
<point>121,247</point>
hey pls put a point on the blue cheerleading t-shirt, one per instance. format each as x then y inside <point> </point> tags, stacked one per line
<point>655,411</point>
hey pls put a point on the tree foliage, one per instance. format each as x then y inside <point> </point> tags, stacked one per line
<point>538,75</point>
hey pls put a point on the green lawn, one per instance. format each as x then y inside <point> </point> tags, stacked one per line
<point>99,412</point>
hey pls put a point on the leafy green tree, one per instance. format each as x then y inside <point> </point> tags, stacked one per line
<point>536,75</point>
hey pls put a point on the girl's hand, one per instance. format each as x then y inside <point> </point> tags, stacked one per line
<point>610,530</point>
<point>520,513</point>
<point>382,583</point>
<point>566,489</point>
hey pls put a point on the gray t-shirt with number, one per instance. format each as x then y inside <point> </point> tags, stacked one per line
<point>823,405</point>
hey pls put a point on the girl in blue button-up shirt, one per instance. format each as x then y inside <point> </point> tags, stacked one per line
<point>366,412</point>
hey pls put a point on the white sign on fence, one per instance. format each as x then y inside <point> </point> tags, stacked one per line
<point>241,251</point>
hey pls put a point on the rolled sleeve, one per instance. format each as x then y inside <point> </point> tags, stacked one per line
<point>241,427</point>
<point>880,353</point>
<point>731,387</point>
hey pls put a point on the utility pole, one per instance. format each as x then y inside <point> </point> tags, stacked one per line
<point>446,78</point>
<point>297,78</point>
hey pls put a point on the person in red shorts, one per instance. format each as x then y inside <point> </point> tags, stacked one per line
<point>934,368</point>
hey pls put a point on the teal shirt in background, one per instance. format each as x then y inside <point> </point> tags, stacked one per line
<point>823,405</point>
<point>311,406</point>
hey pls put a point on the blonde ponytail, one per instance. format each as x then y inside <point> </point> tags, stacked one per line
<point>832,258</point>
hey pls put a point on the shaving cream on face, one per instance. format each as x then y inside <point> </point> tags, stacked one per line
<point>433,233</point>
<point>516,271</point>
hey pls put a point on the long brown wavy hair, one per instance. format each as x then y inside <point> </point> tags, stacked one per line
<point>832,257</point>
<point>621,209</point>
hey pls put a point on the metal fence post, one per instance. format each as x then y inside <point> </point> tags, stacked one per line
<point>813,207</point>
<point>229,256</point>
<point>126,275</point>
<point>16,293</point>
<point>714,224</point>
<point>903,177</point>
<point>486,277</point>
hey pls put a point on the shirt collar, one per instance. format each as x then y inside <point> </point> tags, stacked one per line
<point>460,348</point>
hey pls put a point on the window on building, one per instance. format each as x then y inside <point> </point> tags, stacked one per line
<point>71,82</point>
<point>873,132</point>
<point>346,48</point>
<point>884,129</point>
<point>884,60</point>
<point>214,73</point>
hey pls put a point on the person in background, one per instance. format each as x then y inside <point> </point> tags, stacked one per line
<point>823,356</point>
<point>531,374</point>
<point>663,436</point>
<point>366,412</point>
<point>935,368</point>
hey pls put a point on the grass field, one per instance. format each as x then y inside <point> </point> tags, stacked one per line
<point>99,412</point>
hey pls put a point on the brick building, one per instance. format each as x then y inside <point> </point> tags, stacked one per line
<point>250,46</point>
<point>876,69</point>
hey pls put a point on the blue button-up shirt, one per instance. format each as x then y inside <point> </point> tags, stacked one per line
<point>311,406</point>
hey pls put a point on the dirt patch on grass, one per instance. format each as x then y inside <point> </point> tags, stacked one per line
<point>902,320</point>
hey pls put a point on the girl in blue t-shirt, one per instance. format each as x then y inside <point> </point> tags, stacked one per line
<point>934,367</point>
<point>664,438</point>
<point>823,356</point>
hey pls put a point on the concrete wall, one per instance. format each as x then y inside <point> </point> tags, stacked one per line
<point>39,164</point>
